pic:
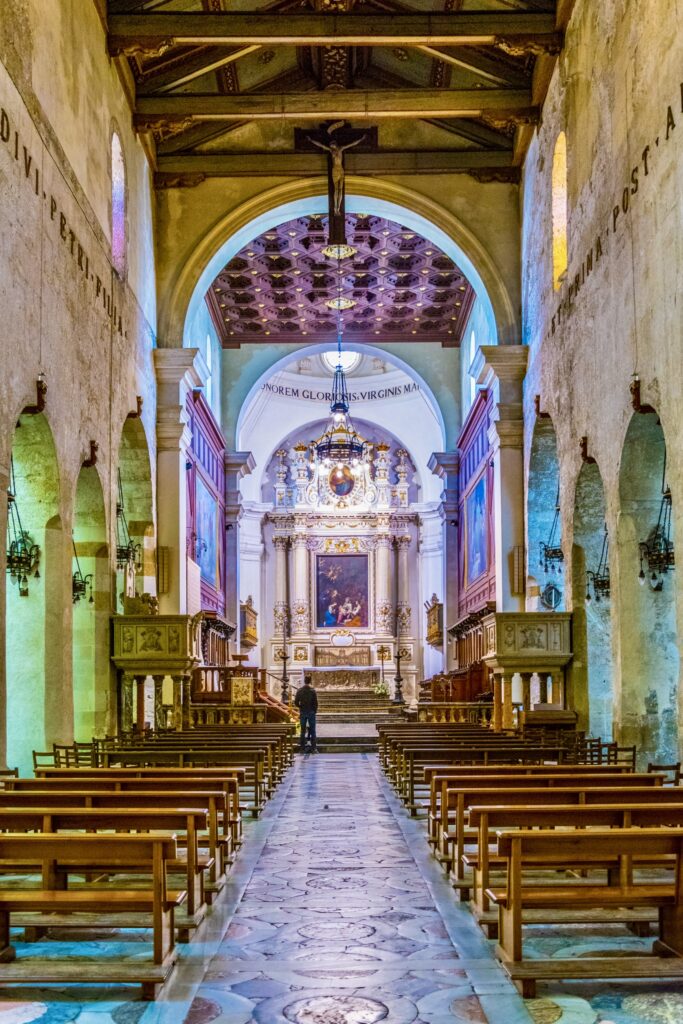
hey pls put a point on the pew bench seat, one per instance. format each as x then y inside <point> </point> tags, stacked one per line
<point>527,973</point>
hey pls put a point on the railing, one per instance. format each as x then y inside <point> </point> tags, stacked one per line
<point>456,713</point>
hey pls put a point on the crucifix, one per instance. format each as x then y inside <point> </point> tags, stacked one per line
<point>334,139</point>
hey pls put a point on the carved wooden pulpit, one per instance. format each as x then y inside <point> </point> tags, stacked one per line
<point>157,646</point>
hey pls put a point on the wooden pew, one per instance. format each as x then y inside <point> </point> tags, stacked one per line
<point>53,855</point>
<point>211,802</point>
<point>522,849</point>
<point>252,759</point>
<point>191,823</point>
<point>580,790</point>
<point>489,819</point>
<point>228,778</point>
<point>436,774</point>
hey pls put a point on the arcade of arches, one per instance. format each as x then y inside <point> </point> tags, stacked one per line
<point>342,340</point>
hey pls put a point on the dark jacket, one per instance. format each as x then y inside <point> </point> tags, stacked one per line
<point>306,699</point>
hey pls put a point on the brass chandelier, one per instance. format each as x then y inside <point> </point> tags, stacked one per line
<point>340,444</point>
<point>599,578</point>
<point>128,553</point>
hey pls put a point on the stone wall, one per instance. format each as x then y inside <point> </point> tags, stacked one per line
<point>617,94</point>
<point>65,312</point>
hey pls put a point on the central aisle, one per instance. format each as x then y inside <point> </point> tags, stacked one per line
<point>347,920</point>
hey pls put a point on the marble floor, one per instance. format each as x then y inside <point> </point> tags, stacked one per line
<point>346,920</point>
<point>336,913</point>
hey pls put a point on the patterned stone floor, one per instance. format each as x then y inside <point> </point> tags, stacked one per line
<point>336,913</point>
<point>340,924</point>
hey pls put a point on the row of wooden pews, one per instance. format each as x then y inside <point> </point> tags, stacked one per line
<point>120,846</point>
<point>540,840</point>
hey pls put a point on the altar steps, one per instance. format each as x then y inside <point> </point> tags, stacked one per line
<point>347,745</point>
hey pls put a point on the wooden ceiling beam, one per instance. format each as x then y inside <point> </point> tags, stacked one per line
<point>484,67</point>
<point>290,164</point>
<point>132,32</point>
<point>513,105</point>
<point>198,64</point>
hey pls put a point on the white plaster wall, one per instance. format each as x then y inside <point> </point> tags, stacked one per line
<point>617,93</point>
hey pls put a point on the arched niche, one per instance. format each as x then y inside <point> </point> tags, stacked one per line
<point>135,494</point>
<point>544,527</point>
<point>37,712</point>
<point>93,681</point>
<point>648,660</point>
<point>592,687</point>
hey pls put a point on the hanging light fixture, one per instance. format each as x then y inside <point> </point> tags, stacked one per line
<point>340,444</point>
<point>23,556</point>
<point>552,555</point>
<point>80,584</point>
<point>599,578</point>
<point>658,550</point>
<point>128,553</point>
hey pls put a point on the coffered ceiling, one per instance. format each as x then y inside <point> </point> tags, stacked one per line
<point>450,85</point>
<point>398,287</point>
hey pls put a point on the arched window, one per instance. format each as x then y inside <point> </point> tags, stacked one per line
<point>118,206</point>
<point>559,212</point>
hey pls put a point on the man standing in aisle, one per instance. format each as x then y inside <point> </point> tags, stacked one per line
<point>307,702</point>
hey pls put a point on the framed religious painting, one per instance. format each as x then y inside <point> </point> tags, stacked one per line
<point>206,520</point>
<point>476,532</point>
<point>342,591</point>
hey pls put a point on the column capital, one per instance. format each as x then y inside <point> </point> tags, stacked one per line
<point>281,542</point>
<point>444,464</point>
<point>506,434</point>
<point>173,431</point>
<point>178,365</point>
<point>402,541</point>
<point>507,363</point>
<point>240,463</point>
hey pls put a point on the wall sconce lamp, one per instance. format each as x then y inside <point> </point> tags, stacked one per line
<point>552,555</point>
<point>658,550</point>
<point>599,578</point>
<point>80,584</point>
<point>23,556</point>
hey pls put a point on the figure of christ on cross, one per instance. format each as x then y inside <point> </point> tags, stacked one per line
<point>334,140</point>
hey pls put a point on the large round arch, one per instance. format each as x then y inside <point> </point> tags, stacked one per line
<point>293,199</point>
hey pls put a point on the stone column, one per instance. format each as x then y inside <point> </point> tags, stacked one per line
<point>497,702</point>
<point>502,368</point>
<point>140,703</point>
<point>237,465</point>
<point>126,698</point>
<point>383,602</point>
<point>301,611</point>
<point>159,717</point>
<point>431,577</point>
<point>280,609</point>
<point>178,703</point>
<point>403,609</point>
<point>508,712</point>
<point>177,372</point>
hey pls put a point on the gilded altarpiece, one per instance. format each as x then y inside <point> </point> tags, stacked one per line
<point>340,552</point>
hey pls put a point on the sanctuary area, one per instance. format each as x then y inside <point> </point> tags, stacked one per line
<point>342,479</point>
